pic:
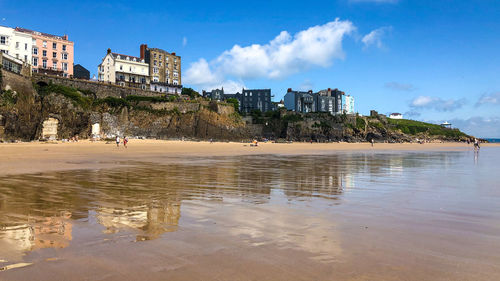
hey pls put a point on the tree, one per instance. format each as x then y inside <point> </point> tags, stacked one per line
<point>235,103</point>
<point>190,92</point>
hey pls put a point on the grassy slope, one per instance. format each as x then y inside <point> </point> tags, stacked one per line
<point>412,127</point>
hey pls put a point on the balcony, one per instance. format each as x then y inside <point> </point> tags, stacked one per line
<point>49,70</point>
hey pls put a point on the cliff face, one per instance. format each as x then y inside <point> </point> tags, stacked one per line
<point>25,109</point>
<point>31,111</point>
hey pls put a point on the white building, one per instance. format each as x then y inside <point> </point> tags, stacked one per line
<point>166,88</point>
<point>16,44</point>
<point>348,104</point>
<point>124,70</point>
<point>396,116</point>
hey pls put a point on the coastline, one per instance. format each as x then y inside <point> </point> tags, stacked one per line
<point>38,157</point>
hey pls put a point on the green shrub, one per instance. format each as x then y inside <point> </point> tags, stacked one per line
<point>112,102</point>
<point>360,123</point>
<point>70,93</point>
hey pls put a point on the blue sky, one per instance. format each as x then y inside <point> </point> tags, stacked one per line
<point>430,60</point>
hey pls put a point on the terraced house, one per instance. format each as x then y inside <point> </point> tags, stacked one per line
<point>124,70</point>
<point>164,69</point>
<point>51,54</point>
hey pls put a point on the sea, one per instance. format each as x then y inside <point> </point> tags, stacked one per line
<point>367,215</point>
<point>493,140</point>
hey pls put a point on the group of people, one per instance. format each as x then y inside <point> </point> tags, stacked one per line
<point>125,141</point>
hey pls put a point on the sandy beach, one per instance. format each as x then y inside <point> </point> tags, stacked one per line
<point>37,157</point>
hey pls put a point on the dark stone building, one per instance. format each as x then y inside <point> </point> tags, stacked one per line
<point>300,101</point>
<point>323,101</point>
<point>81,72</point>
<point>253,99</point>
<point>215,94</point>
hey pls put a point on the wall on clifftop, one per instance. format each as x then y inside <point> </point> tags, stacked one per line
<point>100,89</point>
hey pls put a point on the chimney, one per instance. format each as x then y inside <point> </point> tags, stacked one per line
<point>65,37</point>
<point>289,90</point>
<point>143,51</point>
<point>109,51</point>
<point>310,91</point>
<point>173,54</point>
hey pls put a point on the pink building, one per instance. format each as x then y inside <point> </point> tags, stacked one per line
<point>52,54</point>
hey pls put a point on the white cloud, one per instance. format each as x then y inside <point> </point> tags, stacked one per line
<point>184,41</point>
<point>426,102</point>
<point>374,38</point>
<point>493,98</point>
<point>375,1</point>
<point>200,75</point>
<point>306,85</point>
<point>316,46</point>
<point>400,86</point>
<point>479,126</point>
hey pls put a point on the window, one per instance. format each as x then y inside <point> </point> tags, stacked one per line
<point>44,53</point>
<point>44,63</point>
<point>26,46</point>
<point>54,54</point>
<point>159,56</point>
<point>65,66</point>
<point>160,63</point>
<point>54,45</point>
<point>121,67</point>
<point>44,44</point>
<point>64,56</point>
<point>26,58</point>
<point>155,69</point>
<point>64,47</point>
<point>3,40</point>
<point>54,65</point>
<point>35,61</point>
<point>154,56</point>
<point>35,51</point>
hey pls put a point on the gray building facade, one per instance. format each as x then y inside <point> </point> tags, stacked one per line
<point>323,101</point>
<point>254,99</point>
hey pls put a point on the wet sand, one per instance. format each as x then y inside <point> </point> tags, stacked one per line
<point>350,215</point>
<point>35,157</point>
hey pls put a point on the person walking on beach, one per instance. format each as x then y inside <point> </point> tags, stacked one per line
<point>372,142</point>
<point>118,141</point>
<point>125,141</point>
<point>476,144</point>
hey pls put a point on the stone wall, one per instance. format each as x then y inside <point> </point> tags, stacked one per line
<point>183,107</point>
<point>16,82</point>
<point>101,89</point>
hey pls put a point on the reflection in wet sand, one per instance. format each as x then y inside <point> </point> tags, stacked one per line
<point>373,216</point>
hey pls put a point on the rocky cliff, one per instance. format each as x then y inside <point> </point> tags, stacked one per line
<point>31,110</point>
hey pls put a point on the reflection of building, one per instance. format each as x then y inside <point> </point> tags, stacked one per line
<point>153,221</point>
<point>47,232</point>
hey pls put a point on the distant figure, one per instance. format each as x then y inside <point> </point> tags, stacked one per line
<point>117,141</point>
<point>372,142</point>
<point>125,141</point>
<point>211,141</point>
<point>468,141</point>
<point>476,144</point>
